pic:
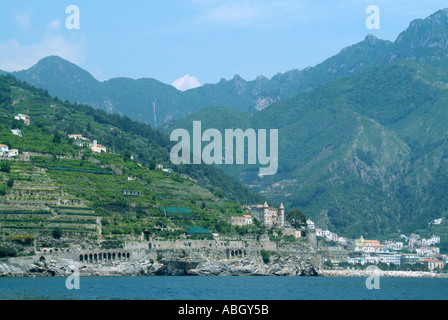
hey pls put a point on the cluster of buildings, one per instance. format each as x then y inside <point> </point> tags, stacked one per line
<point>269,216</point>
<point>80,141</point>
<point>23,117</point>
<point>408,250</point>
<point>8,153</point>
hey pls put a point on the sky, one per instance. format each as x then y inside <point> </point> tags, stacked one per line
<point>188,43</point>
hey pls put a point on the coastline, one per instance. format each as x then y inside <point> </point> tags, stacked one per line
<point>382,274</point>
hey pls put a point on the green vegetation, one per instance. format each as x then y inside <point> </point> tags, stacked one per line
<point>296,218</point>
<point>65,190</point>
<point>266,256</point>
<point>351,151</point>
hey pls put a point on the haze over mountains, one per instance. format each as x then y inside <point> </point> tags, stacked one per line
<point>363,136</point>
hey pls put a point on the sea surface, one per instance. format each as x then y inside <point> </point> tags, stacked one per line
<point>222,288</point>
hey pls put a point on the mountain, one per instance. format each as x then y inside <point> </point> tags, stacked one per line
<point>361,155</point>
<point>156,103</point>
<point>59,192</point>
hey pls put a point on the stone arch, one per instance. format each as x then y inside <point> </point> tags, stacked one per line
<point>128,255</point>
<point>119,255</point>
<point>81,258</point>
<point>113,256</point>
<point>86,258</point>
<point>109,256</point>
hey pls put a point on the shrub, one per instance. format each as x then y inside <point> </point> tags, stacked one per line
<point>57,233</point>
<point>266,256</point>
<point>5,167</point>
<point>7,252</point>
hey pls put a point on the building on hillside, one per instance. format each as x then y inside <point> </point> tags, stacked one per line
<point>433,264</point>
<point>330,236</point>
<point>370,246</point>
<point>97,148</point>
<point>13,153</point>
<point>240,221</point>
<point>394,246</point>
<point>298,234</point>
<point>270,217</point>
<point>6,152</point>
<point>17,132</point>
<point>410,259</point>
<point>80,141</point>
<point>335,254</point>
<point>310,224</point>
<point>23,117</point>
<point>24,156</point>
<point>390,258</point>
<point>130,192</point>
<point>77,137</point>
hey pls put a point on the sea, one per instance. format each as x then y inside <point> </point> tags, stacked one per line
<point>223,288</point>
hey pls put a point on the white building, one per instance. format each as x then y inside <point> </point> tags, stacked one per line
<point>25,118</point>
<point>330,236</point>
<point>240,221</point>
<point>17,132</point>
<point>97,148</point>
<point>310,224</point>
<point>391,259</point>
<point>13,153</point>
<point>394,246</point>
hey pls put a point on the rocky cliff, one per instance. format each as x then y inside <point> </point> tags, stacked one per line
<point>279,265</point>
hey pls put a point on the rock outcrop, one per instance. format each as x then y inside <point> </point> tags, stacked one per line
<point>291,265</point>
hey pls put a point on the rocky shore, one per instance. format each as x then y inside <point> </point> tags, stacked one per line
<point>292,265</point>
<point>383,274</point>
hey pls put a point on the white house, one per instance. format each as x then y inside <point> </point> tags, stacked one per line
<point>17,132</point>
<point>310,224</point>
<point>25,118</point>
<point>13,153</point>
<point>6,152</point>
<point>97,148</point>
<point>4,148</point>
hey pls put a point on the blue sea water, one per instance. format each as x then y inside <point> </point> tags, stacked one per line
<point>222,288</point>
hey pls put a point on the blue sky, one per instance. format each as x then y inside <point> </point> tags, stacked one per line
<point>205,39</point>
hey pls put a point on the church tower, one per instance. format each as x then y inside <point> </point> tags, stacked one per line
<point>266,214</point>
<point>281,216</point>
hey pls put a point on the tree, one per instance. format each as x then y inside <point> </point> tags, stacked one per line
<point>5,167</point>
<point>10,183</point>
<point>57,233</point>
<point>296,218</point>
<point>266,256</point>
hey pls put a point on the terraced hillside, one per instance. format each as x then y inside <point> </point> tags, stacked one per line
<point>58,188</point>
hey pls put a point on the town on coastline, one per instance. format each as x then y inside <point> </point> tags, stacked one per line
<point>299,236</point>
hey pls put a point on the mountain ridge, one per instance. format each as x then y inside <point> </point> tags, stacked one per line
<point>153,102</point>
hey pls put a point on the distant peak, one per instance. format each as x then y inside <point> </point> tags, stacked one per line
<point>52,59</point>
<point>370,38</point>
